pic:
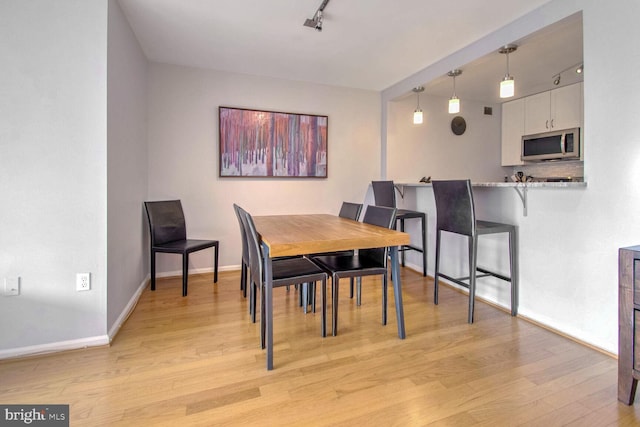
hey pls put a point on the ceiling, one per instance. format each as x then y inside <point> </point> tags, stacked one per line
<point>367,44</point>
<point>539,58</point>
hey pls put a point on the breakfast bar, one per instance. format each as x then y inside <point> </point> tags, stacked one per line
<point>537,209</point>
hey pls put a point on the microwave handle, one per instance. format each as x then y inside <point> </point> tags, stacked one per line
<point>563,143</point>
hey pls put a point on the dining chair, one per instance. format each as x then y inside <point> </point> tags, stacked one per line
<point>244,262</point>
<point>168,231</point>
<point>284,272</point>
<point>455,212</point>
<point>366,262</point>
<point>244,266</point>
<point>384,193</point>
<point>348,210</point>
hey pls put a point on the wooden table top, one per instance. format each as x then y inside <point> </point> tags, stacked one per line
<point>287,235</point>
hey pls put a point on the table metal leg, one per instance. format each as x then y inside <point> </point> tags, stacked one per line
<point>268,305</point>
<point>397,291</point>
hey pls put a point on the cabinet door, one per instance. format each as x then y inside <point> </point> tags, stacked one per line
<point>512,131</point>
<point>566,107</point>
<point>537,113</point>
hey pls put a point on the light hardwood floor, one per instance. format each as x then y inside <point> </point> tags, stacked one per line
<point>196,361</point>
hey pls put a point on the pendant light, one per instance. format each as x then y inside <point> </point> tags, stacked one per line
<point>507,85</point>
<point>454,101</point>
<point>417,115</point>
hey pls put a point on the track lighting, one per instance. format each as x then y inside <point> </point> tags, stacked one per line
<point>507,85</point>
<point>316,21</point>
<point>454,101</point>
<point>417,114</point>
<point>578,68</point>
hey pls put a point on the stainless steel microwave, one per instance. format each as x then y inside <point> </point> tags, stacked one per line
<point>556,145</point>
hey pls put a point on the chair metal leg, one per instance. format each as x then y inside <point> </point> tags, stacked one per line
<point>185,273</point>
<point>423,220</point>
<point>385,287</point>
<point>334,308</point>
<point>324,308</point>
<point>215,263</point>
<point>243,278</point>
<point>402,229</point>
<point>153,270</point>
<point>358,291</point>
<point>252,300</point>
<point>473,261</point>
<point>513,261</point>
<point>263,317</point>
<point>437,271</point>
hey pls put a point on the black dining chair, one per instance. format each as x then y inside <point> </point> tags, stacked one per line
<point>168,232</point>
<point>384,193</point>
<point>455,211</point>
<point>348,210</point>
<point>244,262</point>
<point>288,271</point>
<point>366,262</point>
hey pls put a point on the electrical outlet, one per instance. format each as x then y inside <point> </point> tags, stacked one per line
<point>83,281</point>
<point>11,286</point>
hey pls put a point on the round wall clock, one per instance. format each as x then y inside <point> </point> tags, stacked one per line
<point>458,125</point>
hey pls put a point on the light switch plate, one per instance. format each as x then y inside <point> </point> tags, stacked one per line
<point>11,286</point>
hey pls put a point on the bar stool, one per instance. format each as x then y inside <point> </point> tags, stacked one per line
<point>456,214</point>
<point>385,195</point>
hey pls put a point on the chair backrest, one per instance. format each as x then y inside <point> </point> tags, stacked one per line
<point>255,252</point>
<point>384,193</point>
<point>454,206</point>
<point>166,221</point>
<point>382,217</point>
<point>243,234</point>
<point>350,210</point>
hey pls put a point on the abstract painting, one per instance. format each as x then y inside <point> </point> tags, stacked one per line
<point>255,143</point>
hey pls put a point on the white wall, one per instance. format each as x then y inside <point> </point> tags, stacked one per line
<point>432,149</point>
<point>569,241</point>
<point>53,173</point>
<point>127,248</point>
<point>183,152</point>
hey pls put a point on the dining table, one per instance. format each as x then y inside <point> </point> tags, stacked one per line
<point>289,235</point>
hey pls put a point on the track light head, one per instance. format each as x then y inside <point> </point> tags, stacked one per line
<point>556,80</point>
<point>316,21</point>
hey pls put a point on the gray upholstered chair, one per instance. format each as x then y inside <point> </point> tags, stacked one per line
<point>384,193</point>
<point>366,262</point>
<point>456,214</point>
<point>168,232</point>
<point>285,272</point>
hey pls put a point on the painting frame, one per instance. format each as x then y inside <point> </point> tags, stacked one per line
<point>271,144</point>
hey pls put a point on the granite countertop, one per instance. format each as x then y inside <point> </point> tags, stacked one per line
<point>508,184</point>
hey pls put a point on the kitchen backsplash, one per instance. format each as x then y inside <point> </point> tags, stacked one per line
<point>564,169</point>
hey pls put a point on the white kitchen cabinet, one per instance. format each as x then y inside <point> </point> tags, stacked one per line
<point>554,110</point>
<point>512,131</point>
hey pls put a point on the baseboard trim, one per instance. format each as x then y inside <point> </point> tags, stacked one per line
<point>195,271</point>
<point>530,320</point>
<point>55,347</point>
<point>101,340</point>
<point>124,315</point>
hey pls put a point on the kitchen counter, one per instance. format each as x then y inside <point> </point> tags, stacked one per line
<point>518,185</point>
